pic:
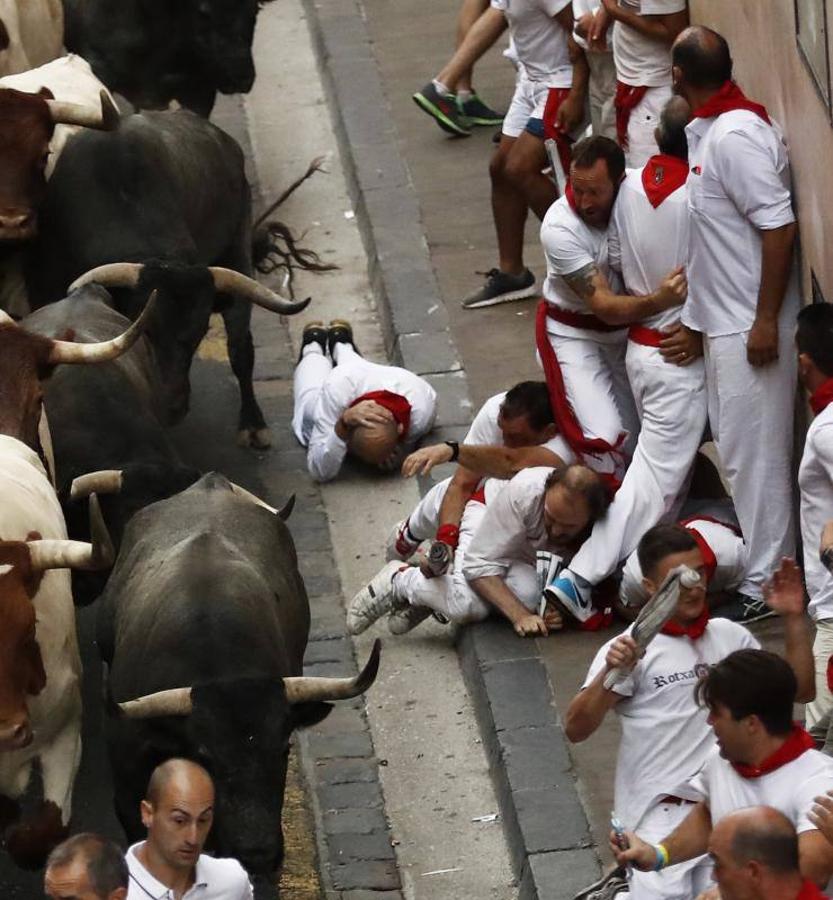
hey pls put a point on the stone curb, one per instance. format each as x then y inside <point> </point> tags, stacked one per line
<point>543,817</point>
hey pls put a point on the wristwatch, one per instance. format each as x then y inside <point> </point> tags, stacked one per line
<point>455,449</point>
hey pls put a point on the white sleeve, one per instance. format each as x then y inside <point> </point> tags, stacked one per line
<point>614,245</point>
<point>326,450</point>
<point>553,7</point>
<point>423,411</point>
<point>564,251</point>
<point>246,892</point>
<point>822,442</point>
<point>661,7</point>
<point>626,687</point>
<point>481,432</point>
<point>804,795</point>
<point>752,173</point>
<point>500,539</point>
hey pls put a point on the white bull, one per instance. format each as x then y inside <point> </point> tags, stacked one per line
<point>34,33</point>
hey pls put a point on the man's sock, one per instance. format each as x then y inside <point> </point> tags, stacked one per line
<point>464,96</point>
<point>441,88</point>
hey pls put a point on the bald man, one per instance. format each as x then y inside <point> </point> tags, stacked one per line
<point>755,855</point>
<point>178,811</point>
<point>86,867</point>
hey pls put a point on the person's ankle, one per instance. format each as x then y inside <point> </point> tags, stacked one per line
<point>441,88</point>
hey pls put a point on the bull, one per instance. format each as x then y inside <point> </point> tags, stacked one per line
<point>155,51</point>
<point>167,193</point>
<point>31,34</point>
<point>203,627</point>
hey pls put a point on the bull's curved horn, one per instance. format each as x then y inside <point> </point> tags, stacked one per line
<point>122,274</point>
<point>173,702</point>
<point>103,351</point>
<point>230,282</point>
<point>248,495</point>
<point>105,481</point>
<point>6,319</point>
<point>105,118</point>
<point>308,690</point>
<point>286,510</point>
<point>51,554</point>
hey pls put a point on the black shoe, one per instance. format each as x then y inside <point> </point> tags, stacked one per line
<point>340,332</point>
<point>443,109</point>
<point>501,288</point>
<point>606,888</point>
<point>475,112</point>
<point>744,609</point>
<point>313,333</point>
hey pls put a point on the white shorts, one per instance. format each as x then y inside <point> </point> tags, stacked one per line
<point>528,102</point>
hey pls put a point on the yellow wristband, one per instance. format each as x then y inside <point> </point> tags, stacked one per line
<point>662,857</point>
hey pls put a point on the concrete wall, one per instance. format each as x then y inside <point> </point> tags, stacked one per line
<point>770,68</point>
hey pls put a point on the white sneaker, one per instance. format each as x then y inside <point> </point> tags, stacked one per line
<point>401,621</point>
<point>400,543</point>
<point>374,600</point>
<point>573,593</point>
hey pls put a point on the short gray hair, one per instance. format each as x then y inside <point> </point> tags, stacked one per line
<point>104,859</point>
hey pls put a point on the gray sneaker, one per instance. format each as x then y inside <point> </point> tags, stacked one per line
<point>443,109</point>
<point>606,888</point>
<point>401,621</point>
<point>376,599</point>
<point>501,288</point>
<point>744,609</point>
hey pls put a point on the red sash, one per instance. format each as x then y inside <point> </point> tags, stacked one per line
<point>563,141</point>
<point>798,742</point>
<point>693,630</point>
<point>395,403</point>
<point>647,337</point>
<point>627,99</point>
<point>822,396</point>
<point>728,98</point>
<point>662,175</point>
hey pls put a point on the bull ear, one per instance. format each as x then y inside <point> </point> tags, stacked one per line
<point>305,715</point>
<point>4,36</point>
<point>46,93</point>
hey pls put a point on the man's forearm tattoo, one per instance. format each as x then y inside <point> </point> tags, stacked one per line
<point>581,281</point>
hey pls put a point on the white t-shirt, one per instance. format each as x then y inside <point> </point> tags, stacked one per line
<point>665,738</point>
<point>569,245</point>
<point>646,243</point>
<point>539,40</point>
<point>642,61</point>
<point>215,879</point>
<point>582,8</point>
<point>791,788</point>
<point>738,186</point>
<point>815,479</point>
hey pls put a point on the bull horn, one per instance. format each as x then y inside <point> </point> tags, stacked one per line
<point>122,274</point>
<point>310,690</point>
<point>50,554</point>
<point>227,281</point>
<point>173,702</point>
<point>286,510</point>
<point>248,495</point>
<point>103,351</point>
<point>105,118</point>
<point>106,481</point>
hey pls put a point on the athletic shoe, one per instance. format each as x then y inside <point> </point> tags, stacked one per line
<point>374,600</point>
<point>501,287</point>
<point>475,112</point>
<point>744,609</point>
<point>340,332</point>
<point>401,621</point>
<point>400,544</point>
<point>313,333</point>
<point>606,888</point>
<point>571,593</point>
<point>443,108</point>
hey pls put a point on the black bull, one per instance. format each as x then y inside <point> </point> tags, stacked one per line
<point>206,595</point>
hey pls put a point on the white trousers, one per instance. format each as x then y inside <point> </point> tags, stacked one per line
<point>597,387</point>
<point>751,417</point>
<point>685,881</point>
<point>308,379</point>
<point>424,521</point>
<point>601,93</point>
<point>671,403</point>
<point>451,594</point>
<point>822,706</point>
<point>642,144</point>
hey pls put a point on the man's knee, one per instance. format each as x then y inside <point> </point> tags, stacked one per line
<point>523,165</point>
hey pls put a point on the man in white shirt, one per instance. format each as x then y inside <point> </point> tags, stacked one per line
<point>494,568</point>
<point>170,865</point>
<point>814,340</point>
<point>643,33</point>
<point>86,867</point>
<point>764,759</point>
<point>741,217</point>
<point>665,735</point>
<point>345,404</point>
<point>580,325</point>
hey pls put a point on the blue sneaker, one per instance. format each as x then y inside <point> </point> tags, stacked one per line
<point>572,593</point>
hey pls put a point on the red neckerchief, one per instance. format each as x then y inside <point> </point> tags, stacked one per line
<point>822,396</point>
<point>693,630</point>
<point>662,176</point>
<point>571,197</point>
<point>798,742</point>
<point>395,403</point>
<point>809,891</point>
<point>729,97</point>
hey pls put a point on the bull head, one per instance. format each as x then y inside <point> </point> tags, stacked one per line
<point>177,701</point>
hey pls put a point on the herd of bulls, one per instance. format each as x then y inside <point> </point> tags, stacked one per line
<point>120,234</point>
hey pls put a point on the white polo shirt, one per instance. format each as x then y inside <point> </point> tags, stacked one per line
<point>646,243</point>
<point>640,60</point>
<point>791,788</point>
<point>738,186</point>
<point>815,479</point>
<point>539,40</point>
<point>665,738</point>
<point>569,245</point>
<point>215,879</point>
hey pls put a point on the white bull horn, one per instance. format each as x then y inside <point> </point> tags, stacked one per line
<point>228,281</point>
<point>310,690</point>
<point>105,481</point>
<point>122,274</point>
<point>283,513</point>
<point>103,351</point>
<point>104,118</point>
<point>173,702</point>
<point>51,554</point>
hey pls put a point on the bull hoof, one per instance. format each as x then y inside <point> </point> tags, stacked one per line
<point>9,812</point>
<point>257,438</point>
<point>30,842</point>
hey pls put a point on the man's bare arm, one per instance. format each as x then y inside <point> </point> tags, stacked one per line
<point>689,839</point>
<point>485,31</point>
<point>815,857</point>
<point>492,461</point>
<point>777,256</point>
<point>659,28</point>
<point>457,495</point>
<point>493,589</point>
